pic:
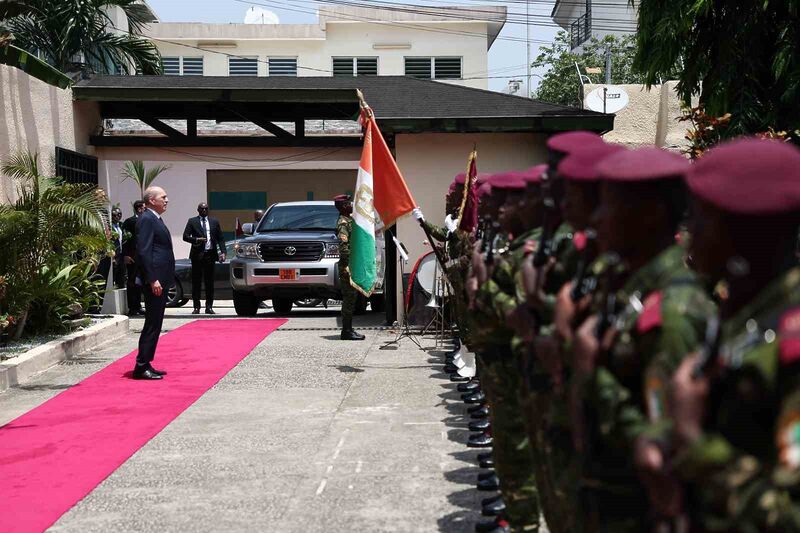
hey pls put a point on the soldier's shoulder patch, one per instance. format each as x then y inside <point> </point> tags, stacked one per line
<point>789,335</point>
<point>579,240</point>
<point>788,440</point>
<point>650,317</point>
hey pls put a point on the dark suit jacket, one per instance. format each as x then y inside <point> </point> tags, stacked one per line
<point>154,254</point>
<point>195,231</point>
<point>129,247</point>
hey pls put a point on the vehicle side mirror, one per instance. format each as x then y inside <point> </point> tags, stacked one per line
<point>247,228</point>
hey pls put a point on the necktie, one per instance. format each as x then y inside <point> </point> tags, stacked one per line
<point>203,224</point>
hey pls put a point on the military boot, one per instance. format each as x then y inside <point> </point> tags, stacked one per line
<point>348,333</point>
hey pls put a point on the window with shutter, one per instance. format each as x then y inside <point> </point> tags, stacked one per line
<point>172,66</point>
<point>447,68</point>
<point>367,66</point>
<point>419,67</point>
<point>192,66</point>
<point>242,66</point>
<point>282,66</point>
<point>343,67</point>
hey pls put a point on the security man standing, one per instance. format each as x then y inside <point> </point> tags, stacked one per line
<point>208,246</point>
<point>344,228</point>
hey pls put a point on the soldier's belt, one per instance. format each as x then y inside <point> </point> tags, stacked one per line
<point>452,263</point>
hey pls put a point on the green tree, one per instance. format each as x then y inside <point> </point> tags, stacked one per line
<point>560,84</point>
<point>135,170</point>
<point>78,38</point>
<point>49,227</point>
<point>740,57</point>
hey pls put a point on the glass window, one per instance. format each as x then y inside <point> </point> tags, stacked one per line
<point>447,68</point>
<point>343,66</point>
<point>283,66</point>
<point>366,66</point>
<point>172,66</point>
<point>294,217</point>
<point>242,66</point>
<point>355,66</point>
<point>419,67</point>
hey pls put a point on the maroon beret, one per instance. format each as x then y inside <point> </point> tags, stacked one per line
<point>568,142</point>
<point>460,179</point>
<point>342,198</point>
<point>484,190</point>
<point>642,164</point>
<point>582,165</point>
<point>509,181</point>
<point>534,174</point>
<point>749,177</point>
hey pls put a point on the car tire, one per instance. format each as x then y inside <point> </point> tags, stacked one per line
<point>175,295</point>
<point>245,303</point>
<point>282,306</point>
<point>377,303</point>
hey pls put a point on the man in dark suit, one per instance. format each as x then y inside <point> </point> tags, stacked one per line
<point>208,246</point>
<point>117,235</point>
<point>156,271</point>
<point>129,258</point>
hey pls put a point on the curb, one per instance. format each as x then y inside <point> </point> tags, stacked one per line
<point>22,368</point>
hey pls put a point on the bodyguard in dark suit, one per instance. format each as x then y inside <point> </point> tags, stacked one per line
<point>156,275</point>
<point>129,258</point>
<point>208,246</point>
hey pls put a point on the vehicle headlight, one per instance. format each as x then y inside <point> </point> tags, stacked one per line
<point>247,251</point>
<point>332,250</point>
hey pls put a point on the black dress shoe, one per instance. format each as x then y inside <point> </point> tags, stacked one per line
<point>485,475</point>
<point>351,335</point>
<point>490,483</point>
<point>480,414</point>
<point>480,440</point>
<point>210,311</point>
<point>485,455</point>
<point>495,526</point>
<point>196,311</point>
<point>472,386</point>
<point>455,378</point>
<point>146,374</point>
<point>487,463</point>
<point>475,408</point>
<point>479,425</point>
<point>158,372</point>
<point>491,499</point>
<point>450,368</point>
<point>475,397</point>
<point>494,508</point>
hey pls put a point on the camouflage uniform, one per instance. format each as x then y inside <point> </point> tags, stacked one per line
<point>502,384</point>
<point>663,319</point>
<point>344,228</point>
<point>744,471</point>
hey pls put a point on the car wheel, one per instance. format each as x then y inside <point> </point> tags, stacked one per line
<point>377,303</point>
<point>308,302</point>
<point>245,303</point>
<point>175,295</point>
<point>282,306</point>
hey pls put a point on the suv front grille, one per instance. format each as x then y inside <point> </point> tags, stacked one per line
<point>272,252</point>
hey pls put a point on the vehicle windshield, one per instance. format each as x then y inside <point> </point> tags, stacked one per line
<point>300,217</point>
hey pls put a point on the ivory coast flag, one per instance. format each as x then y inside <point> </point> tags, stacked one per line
<point>381,197</point>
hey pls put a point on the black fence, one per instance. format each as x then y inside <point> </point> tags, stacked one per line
<point>75,167</point>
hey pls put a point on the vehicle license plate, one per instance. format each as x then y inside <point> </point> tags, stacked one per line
<point>290,274</point>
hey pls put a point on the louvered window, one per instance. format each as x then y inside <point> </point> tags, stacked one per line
<point>355,66</point>
<point>242,66</point>
<point>172,66</point>
<point>447,68</point>
<point>283,66</point>
<point>419,67</point>
<point>192,66</point>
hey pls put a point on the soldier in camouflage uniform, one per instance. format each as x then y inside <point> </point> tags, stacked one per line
<point>736,404</point>
<point>652,314</point>
<point>344,228</point>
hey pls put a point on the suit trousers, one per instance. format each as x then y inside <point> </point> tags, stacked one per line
<point>153,319</point>
<point>203,271</point>
<point>134,291</point>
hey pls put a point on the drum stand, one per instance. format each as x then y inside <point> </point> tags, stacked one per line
<point>405,328</point>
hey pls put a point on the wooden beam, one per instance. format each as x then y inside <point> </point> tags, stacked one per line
<point>191,127</point>
<point>259,120</point>
<point>300,128</point>
<point>162,128</point>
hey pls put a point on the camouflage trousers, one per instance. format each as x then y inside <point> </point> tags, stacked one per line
<point>514,463</point>
<point>348,292</point>
<point>458,303</point>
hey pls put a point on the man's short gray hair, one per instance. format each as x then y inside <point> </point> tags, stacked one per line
<point>150,193</point>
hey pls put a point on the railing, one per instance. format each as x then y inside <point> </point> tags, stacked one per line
<point>580,30</point>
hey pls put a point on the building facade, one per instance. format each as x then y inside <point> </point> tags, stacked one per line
<point>585,19</point>
<point>446,44</point>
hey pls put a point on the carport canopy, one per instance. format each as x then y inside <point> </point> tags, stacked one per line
<point>401,105</point>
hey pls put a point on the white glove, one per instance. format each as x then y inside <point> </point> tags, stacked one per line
<point>417,213</point>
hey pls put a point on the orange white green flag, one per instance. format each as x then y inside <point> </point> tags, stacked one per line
<point>381,197</point>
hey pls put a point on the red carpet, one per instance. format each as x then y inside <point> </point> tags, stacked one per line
<point>53,456</point>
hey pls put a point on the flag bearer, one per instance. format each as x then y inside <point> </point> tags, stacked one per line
<point>344,229</point>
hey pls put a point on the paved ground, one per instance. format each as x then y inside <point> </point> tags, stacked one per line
<point>307,433</point>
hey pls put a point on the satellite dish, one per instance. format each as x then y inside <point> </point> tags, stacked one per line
<point>608,99</point>
<point>259,15</point>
